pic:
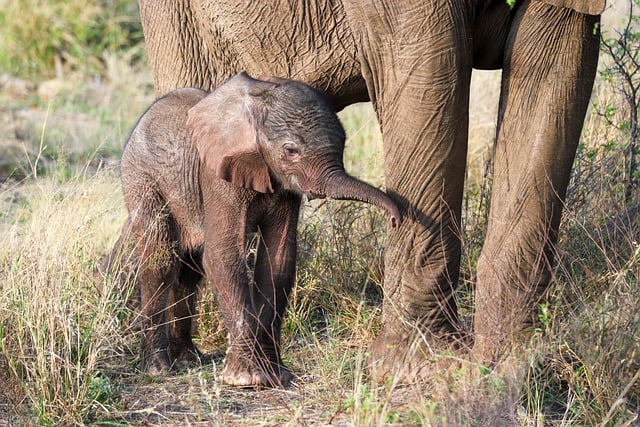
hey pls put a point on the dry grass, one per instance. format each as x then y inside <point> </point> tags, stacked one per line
<point>57,327</point>
<point>68,343</point>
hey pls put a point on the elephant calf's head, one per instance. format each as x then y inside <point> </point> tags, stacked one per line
<point>277,133</point>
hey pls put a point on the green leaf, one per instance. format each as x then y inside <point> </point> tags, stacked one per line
<point>484,371</point>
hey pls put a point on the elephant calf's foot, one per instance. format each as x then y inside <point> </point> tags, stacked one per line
<point>247,372</point>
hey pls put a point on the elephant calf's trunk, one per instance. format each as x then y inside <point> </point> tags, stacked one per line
<point>346,187</point>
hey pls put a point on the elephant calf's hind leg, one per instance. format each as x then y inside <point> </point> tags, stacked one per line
<point>182,312</point>
<point>157,273</point>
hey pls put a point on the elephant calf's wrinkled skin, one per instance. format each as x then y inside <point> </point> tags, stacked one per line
<point>200,174</point>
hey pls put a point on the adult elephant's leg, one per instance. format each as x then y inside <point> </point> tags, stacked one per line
<point>178,54</point>
<point>418,75</point>
<point>550,63</point>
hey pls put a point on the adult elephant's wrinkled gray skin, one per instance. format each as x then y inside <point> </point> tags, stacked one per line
<point>202,173</point>
<point>413,60</point>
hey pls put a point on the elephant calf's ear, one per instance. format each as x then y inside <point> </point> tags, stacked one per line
<point>226,142</point>
<point>246,170</point>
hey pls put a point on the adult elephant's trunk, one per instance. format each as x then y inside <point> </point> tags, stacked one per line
<point>343,186</point>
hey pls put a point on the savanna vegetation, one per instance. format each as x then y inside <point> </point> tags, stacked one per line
<point>73,81</point>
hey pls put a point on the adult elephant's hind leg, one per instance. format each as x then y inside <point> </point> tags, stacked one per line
<point>548,74</point>
<point>420,76</point>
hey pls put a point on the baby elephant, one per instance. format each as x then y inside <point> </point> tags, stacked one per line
<point>201,174</point>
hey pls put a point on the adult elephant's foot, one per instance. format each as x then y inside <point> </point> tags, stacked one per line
<point>156,363</point>
<point>246,371</point>
<point>414,358</point>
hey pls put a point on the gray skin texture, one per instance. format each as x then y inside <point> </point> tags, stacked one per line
<point>203,173</point>
<point>413,59</point>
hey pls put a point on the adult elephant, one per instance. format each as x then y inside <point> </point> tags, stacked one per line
<point>413,60</point>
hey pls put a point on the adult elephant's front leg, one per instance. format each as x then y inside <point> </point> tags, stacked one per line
<point>418,74</point>
<point>548,74</point>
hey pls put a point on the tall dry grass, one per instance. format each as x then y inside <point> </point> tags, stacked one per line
<point>57,328</point>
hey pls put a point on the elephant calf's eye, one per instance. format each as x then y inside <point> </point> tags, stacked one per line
<point>291,153</point>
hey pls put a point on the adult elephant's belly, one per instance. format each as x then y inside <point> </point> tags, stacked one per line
<point>306,46</point>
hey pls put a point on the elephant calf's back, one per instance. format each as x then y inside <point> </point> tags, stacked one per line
<point>160,167</point>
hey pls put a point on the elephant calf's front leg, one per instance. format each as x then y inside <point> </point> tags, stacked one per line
<point>225,269</point>
<point>274,279</point>
<point>253,313</point>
